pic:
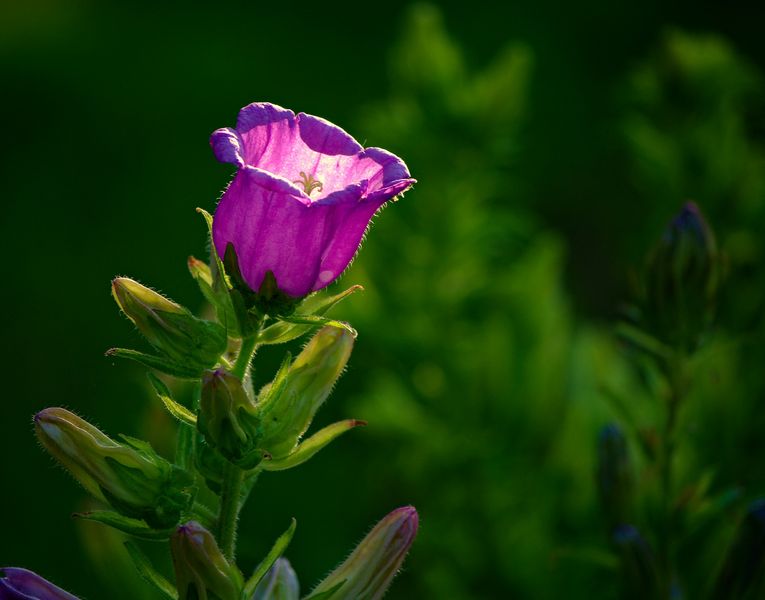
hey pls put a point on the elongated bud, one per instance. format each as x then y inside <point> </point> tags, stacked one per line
<point>280,583</point>
<point>682,279</point>
<point>743,573</point>
<point>170,328</point>
<point>201,570</point>
<point>368,571</point>
<point>614,477</point>
<point>287,405</point>
<point>640,575</point>
<point>20,584</point>
<point>130,476</point>
<point>228,419</point>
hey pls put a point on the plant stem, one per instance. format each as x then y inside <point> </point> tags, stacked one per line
<point>186,436</point>
<point>246,352</point>
<point>676,376</point>
<point>229,510</point>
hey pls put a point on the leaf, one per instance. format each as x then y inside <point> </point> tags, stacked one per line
<point>179,411</point>
<point>155,362</point>
<point>133,527</point>
<point>326,595</point>
<point>312,445</point>
<point>318,321</point>
<point>147,571</point>
<point>276,551</point>
<point>314,305</point>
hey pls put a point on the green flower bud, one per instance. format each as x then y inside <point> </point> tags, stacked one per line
<point>614,477</point>
<point>170,328</point>
<point>201,570</point>
<point>228,419</point>
<point>682,280</point>
<point>280,583</point>
<point>130,476</point>
<point>368,571</point>
<point>287,405</point>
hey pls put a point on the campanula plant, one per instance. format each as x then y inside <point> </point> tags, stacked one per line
<point>286,227</point>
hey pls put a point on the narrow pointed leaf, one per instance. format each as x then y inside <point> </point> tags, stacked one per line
<point>147,571</point>
<point>326,595</point>
<point>276,551</point>
<point>133,527</point>
<point>315,305</point>
<point>179,411</point>
<point>318,321</point>
<point>312,445</point>
<point>155,362</point>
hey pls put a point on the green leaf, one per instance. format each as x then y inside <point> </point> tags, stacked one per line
<point>147,571</point>
<point>127,525</point>
<point>179,411</point>
<point>318,321</point>
<point>280,545</point>
<point>312,445</point>
<point>285,330</point>
<point>275,388</point>
<point>327,594</point>
<point>162,365</point>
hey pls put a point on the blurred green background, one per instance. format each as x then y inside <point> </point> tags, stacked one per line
<point>552,141</point>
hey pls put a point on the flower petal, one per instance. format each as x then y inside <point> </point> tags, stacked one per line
<point>17,583</point>
<point>227,146</point>
<point>326,138</point>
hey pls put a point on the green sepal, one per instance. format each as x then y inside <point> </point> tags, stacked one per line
<point>315,305</point>
<point>326,595</point>
<point>179,411</point>
<point>312,445</point>
<point>127,525</point>
<point>318,321</point>
<point>217,289</point>
<point>280,545</point>
<point>148,573</point>
<point>163,365</point>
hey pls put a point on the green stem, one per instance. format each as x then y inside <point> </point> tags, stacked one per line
<point>676,375</point>
<point>246,352</point>
<point>229,510</point>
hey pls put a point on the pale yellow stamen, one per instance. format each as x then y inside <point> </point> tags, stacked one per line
<point>309,183</point>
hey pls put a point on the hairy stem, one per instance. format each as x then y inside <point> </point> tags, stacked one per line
<point>229,510</point>
<point>246,352</point>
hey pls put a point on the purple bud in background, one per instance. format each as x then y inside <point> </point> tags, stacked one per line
<point>302,198</point>
<point>682,279</point>
<point>20,584</point>
<point>368,571</point>
<point>280,583</point>
<point>640,575</point>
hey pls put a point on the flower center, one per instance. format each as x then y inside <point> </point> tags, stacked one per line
<point>309,183</point>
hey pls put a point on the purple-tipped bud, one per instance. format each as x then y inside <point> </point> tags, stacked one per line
<point>280,583</point>
<point>170,328</point>
<point>130,476</point>
<point>201,570</point>
<point>614,476</point>
<point>682,279</point>
<point>368,571</point>
<point>640,575</point>
<point>228,419</point>
<point>743,573</point>
<point>287,406</point>
<point>20,584</point>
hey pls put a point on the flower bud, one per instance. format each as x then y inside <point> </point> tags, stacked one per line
<point>369,570</point>
<point>201,570</point>
<point>743,573</point>
<point>682,280</point>
<point>170,328</point>
<point>640,575</point>
<point>280,583</point>
<point>288,406</point>
<point>20,584</point>
<point>614,476</point>
<point>130,476</point>
<point>228,419</point>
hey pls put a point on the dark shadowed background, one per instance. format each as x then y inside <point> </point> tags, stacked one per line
<point>551,140</point>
